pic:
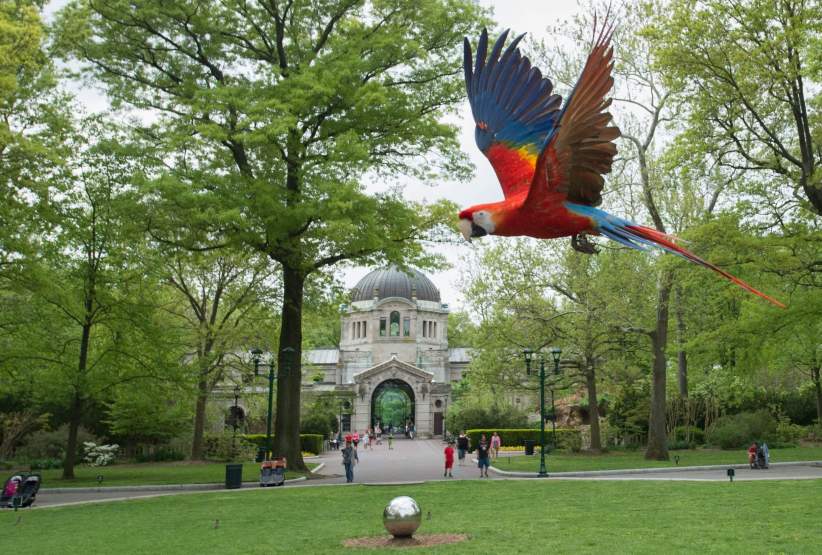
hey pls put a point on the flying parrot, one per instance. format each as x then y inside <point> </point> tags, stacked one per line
<point>550,158</point>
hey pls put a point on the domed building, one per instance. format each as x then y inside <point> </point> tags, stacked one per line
<point>394,362</point>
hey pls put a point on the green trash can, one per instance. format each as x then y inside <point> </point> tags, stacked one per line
<point>529,446</point>
<point>233,476</point>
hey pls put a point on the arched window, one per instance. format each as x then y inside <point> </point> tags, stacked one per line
<point>395,324</point>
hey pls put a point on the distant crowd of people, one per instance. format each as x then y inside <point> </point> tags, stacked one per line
<point>372,437</point>
<point>369,439</point>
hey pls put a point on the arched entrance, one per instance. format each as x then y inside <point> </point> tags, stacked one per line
<point>393,405</point>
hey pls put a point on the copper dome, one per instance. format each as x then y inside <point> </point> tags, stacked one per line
<point>393,282</point>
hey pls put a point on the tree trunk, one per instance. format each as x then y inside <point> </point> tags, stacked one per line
<point>287,428</point>
<point>593,407</point>
<point>199,420</point>
<point>817,386</point>
<point>657,437</point>
<point>76,412</point>
<point>682,356</point>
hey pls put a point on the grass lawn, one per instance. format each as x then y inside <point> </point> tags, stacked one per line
<point>615,460</point>
<point>152,474</point>
<point>520,516</point>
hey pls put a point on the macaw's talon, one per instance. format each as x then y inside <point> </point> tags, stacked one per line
<point>581,243</point>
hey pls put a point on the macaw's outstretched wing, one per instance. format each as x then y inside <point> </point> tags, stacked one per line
<point>581,150</point>
<point>513,108</point>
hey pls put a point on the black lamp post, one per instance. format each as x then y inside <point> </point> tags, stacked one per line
<point>444,416</point>
<point>529,356</point>
<point>343,406</point>
<point>256,356</point>
<point>556,353</point>
<point>234,418</point>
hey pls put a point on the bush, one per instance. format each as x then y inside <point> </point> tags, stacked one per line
<point>789,433</point>
<point>688,434</point>
<point>320,423</point>
<point>312,443</point>
<point>680,444</point>
<point>51,444</point>
<point>737,431</point>
<point>566,437</point>
<point>46,464</point>
<point>100,455</point>
<point>464,417</point>
<point>814,432</point>
<point>225,447</point>
<point>161,454</point>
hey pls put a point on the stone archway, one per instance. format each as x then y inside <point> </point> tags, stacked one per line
<point>392,405</point>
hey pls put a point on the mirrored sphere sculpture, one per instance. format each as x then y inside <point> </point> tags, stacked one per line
<point>402,517</point>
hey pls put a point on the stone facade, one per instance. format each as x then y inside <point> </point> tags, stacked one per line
<point>397,339</point>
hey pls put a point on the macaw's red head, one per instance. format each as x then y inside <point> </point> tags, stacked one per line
<point>477,221</point>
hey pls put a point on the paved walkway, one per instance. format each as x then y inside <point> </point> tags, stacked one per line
<point>408,461</point>
<point>422,460</point>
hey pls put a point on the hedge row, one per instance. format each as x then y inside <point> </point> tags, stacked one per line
<point>313,443</point>
<point>566,437</point>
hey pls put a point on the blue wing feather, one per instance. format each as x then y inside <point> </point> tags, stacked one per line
<point>510,100</point>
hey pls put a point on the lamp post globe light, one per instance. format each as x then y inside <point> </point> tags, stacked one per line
<point>529,355</point>
<point>264,453</point>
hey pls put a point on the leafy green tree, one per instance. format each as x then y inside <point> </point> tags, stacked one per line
<point>85,288</point>
<point>461,329</point>
<point>750,73</point>
<point>224,304</point>
<point>269,114</point>
<point>154,414</point>
<point>33,123</point>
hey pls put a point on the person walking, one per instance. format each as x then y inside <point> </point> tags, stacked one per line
<point>378,432</point>
<point>449,459</point>
<point>349,459</point>
<point>483,456</point>
<point>463,444</point>
<point>496,441</point>
<point>390,440</point>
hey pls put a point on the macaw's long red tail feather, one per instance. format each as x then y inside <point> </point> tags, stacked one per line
<point>667,242</point>
<point>631,233</point>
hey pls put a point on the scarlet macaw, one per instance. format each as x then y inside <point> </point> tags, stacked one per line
<point>550,160</point>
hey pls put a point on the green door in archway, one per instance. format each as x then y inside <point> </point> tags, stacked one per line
<point>392,405</point>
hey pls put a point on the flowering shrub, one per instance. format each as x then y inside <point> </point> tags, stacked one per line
<point>100,455</point>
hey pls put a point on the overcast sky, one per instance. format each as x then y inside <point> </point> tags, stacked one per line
<point>529,16</point>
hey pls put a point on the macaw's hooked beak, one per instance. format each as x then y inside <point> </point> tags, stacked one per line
<point>469,229</point>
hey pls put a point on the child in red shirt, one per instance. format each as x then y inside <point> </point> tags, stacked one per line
<point>449,459</point>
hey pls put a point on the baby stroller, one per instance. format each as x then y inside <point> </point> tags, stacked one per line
<point>20,490</point>
<point>272,473</point>
<point>761,461</point>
